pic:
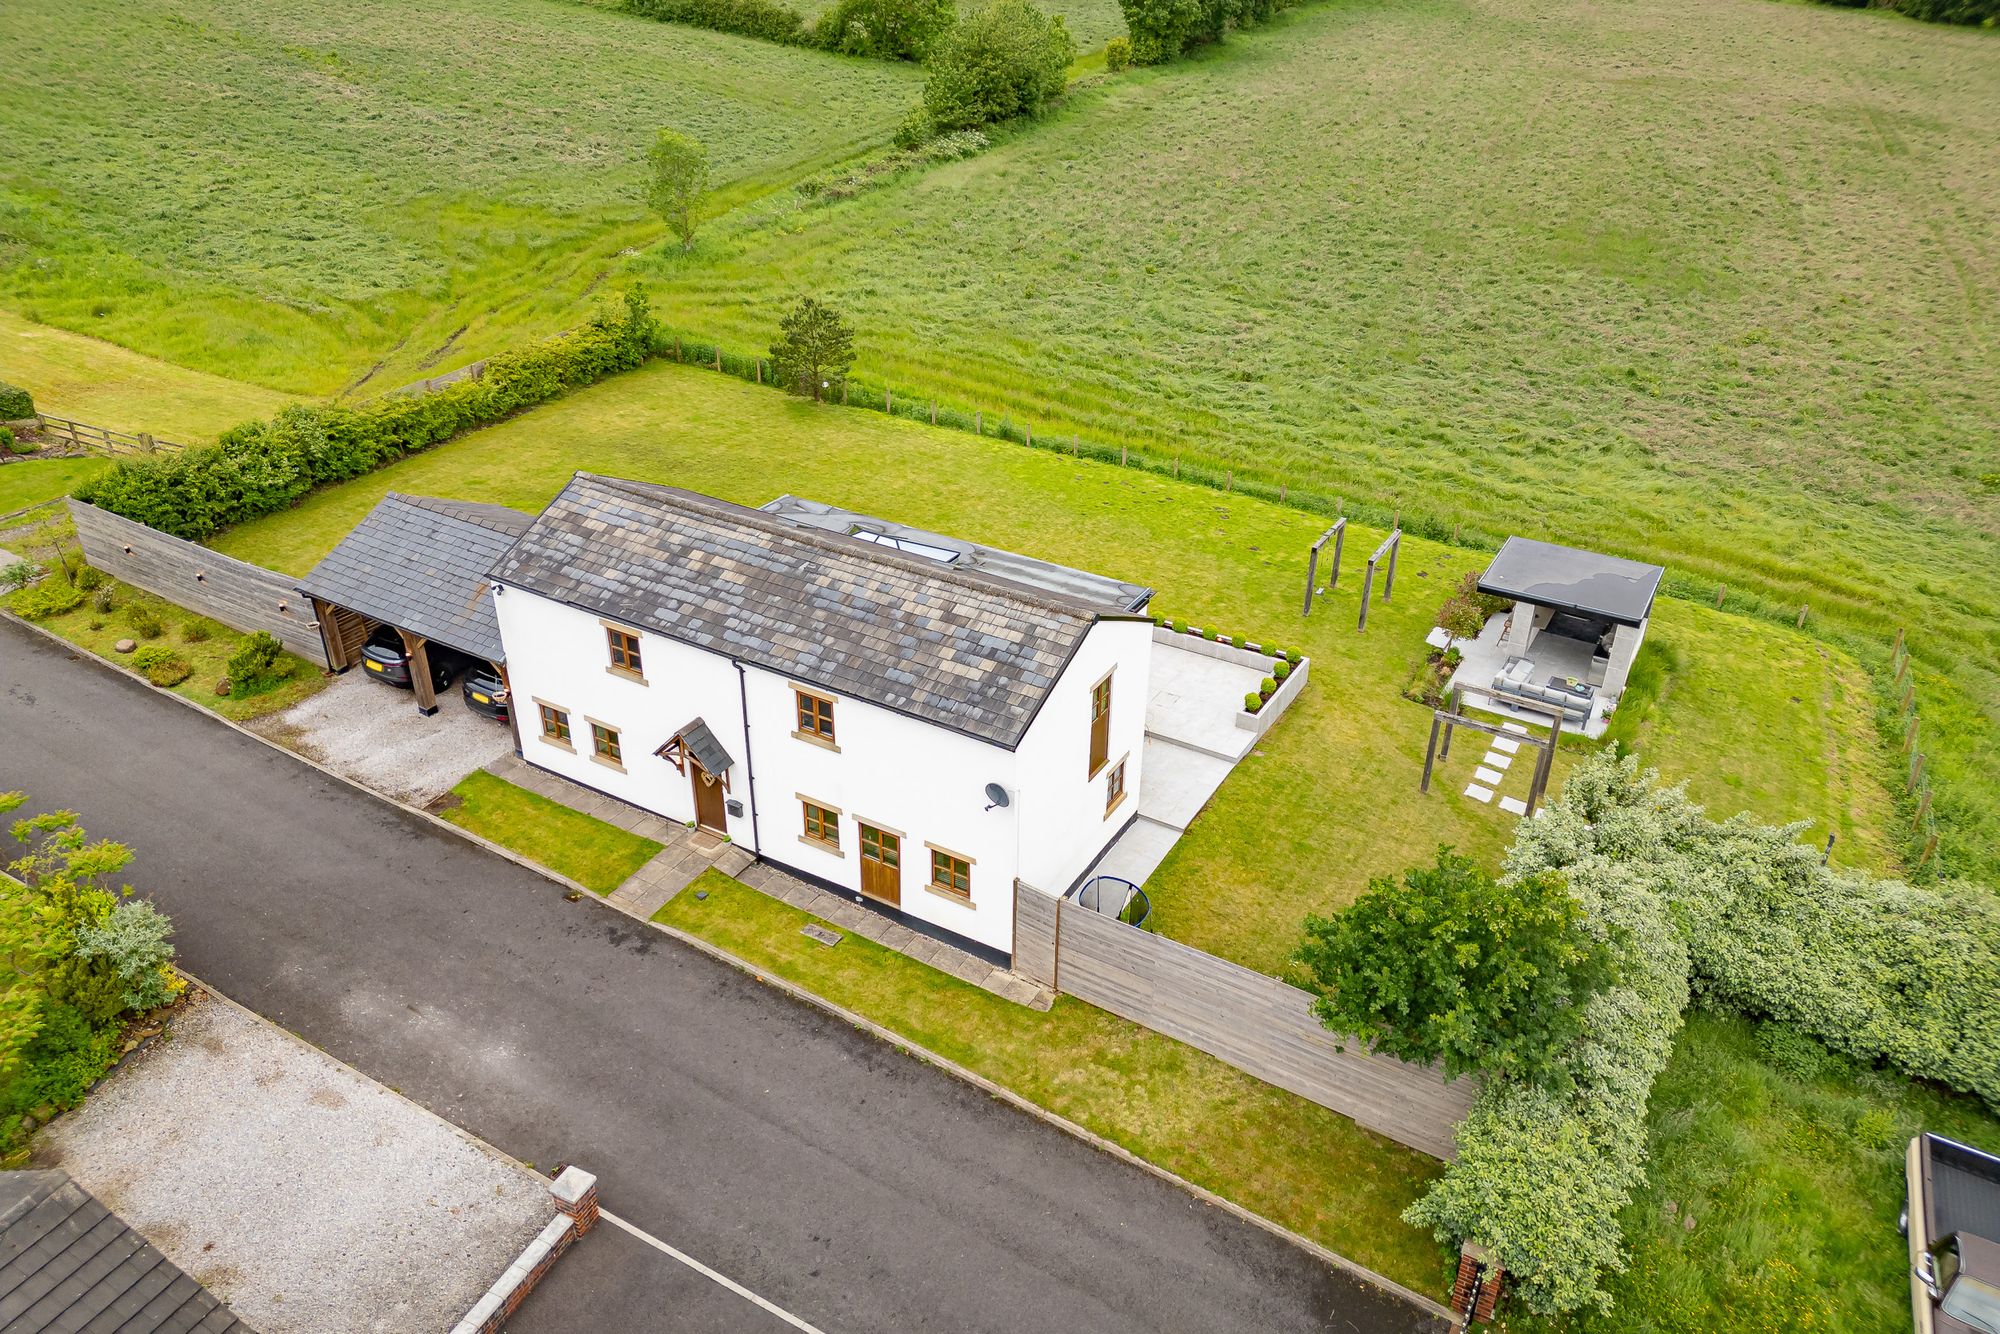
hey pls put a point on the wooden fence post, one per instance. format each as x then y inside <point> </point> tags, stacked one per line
<point>1909,698</point>
<point>1177,468</point>
<point>1930,846</point>
<point>979,421</point>
<point>1923,809</point>
<point>1899,640</point>
<point>1030,442</point>
<point>718,356</point>
<point>1916,771</point>
<point>1228,481</point>
<point>1281,493</point>
<point>760,370</point>
<point>677,349</point>
<point>1802,615</point>
<point>1720,591</point>
<point>1910,735</point>
<point>934,412</point>
<point>889,401</point>
<point>1901,668</point>
<point>1122,455</point>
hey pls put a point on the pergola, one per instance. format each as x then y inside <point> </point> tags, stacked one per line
<point>418,565</point>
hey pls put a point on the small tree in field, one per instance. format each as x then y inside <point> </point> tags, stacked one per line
<point>814,349</point>
<point>1455,966</point>
<point>679,177</point>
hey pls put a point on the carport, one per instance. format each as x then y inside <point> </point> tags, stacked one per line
<point>416,564</point>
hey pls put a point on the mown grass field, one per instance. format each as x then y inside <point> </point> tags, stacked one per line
<point>1761,720</point>
<point>329,196</point>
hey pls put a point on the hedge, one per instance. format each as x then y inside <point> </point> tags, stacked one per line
<point>262,467</point>
<point>15,403</point>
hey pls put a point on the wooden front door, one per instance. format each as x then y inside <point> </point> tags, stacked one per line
<point>881,865</point>
<point>708,810</point>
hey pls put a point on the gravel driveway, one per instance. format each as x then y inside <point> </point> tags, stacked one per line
<point>306,1196</point>
<point>373,734</point>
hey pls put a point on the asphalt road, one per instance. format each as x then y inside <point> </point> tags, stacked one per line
<point>849,1184</point>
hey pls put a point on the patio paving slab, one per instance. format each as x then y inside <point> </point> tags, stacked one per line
<point>1138,851</point>
<point>1175,782</point>
<point>1513,806</point>
<point>1195,700</point>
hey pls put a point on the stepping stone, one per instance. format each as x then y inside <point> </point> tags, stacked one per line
<point>1515,728</point>
<point>1495,760</point>
<point>1487,776</point>
<point>1513,806</point>
<point>1478,793</point>
<point>1506,743</point>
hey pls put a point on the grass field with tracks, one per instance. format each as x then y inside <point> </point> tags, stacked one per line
<point>327,196</point>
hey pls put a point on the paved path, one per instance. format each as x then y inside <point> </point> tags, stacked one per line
<point>840,1179</point>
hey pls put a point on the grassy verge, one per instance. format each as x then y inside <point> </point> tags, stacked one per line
<point>1330,796</point>
<point>97,631</point>
<point>1290,1160</point>
<point>596,855</point>
<point>33,481</point>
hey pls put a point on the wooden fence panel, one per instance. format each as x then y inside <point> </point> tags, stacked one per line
<point>1034,934</point>
<point>242,596</point>
<point>99,439</point>
<point>1256,1023</point>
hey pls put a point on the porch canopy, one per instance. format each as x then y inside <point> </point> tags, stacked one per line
<point>1586,583</point>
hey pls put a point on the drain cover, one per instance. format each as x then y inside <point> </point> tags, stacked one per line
<point>821,934</point>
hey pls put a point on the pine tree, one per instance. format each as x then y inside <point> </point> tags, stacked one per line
<point>814,350</point>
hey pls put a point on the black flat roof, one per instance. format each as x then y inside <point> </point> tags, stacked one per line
<point>1571,579</point>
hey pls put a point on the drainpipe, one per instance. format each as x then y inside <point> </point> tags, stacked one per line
<point>749,765</point>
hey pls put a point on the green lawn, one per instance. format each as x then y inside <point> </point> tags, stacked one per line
<point>1293,1161</point>
<point>596,855</point>
<point>1331,798</point>
<point>33,481</point>
<point>96,632</point>
<point>318,196</point>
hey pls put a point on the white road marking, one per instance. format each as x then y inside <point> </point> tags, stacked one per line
<point>708,1273</point>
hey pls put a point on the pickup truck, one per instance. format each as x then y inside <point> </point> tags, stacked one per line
<point>1953,1223</point>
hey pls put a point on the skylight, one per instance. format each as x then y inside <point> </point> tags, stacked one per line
<point>928,550</point>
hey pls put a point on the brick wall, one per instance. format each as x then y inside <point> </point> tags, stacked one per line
<point>242,596</point>
<point>575,1196</point>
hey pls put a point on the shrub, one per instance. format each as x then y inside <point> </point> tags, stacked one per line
<point>12,444</point>
<point>1490,604</point>
<point>1005,59</point>
<point>132,946</point>
<point>1252,702</point>
<point>262,467</point>
<point>1209,634</point>
<point>66,1057</point>
<point>1268,686</point>
<point>1118,54</point>
<point>1983,12</point>
<point>1164,29</point>
<point>103,600</point>
<point>1799,1055</point>
<point>198,629</point>
<point>144,622</point>
<point>161,665</point>
<point>18,574</point>
<point>257,662</point>
<point>1280,670</point>
<point>15,403</point>
<point>886,29</point>
<point>89,578</point>
<point>51,597</point>
<point>750,18</point>
<point>1461,618</point>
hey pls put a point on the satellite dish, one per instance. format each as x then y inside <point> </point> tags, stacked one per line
<point>995,796</point>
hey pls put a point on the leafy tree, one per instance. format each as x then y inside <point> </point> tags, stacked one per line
<point>886,29</point>
<point>1461,618</point>
<point>1003,60</point>
<point>814,350</point>
<point>679,168</point>
<point>1455,966</point>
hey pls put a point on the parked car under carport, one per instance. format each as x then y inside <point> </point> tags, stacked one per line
<point>485,692</point>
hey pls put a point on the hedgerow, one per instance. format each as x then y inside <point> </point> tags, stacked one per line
<point>1735,914</point>
<point>1983,12</point>
<point>749,18</point>
<point>262,467</point>
<point>1164,30</point>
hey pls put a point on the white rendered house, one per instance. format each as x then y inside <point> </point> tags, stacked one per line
<point>906,718</point>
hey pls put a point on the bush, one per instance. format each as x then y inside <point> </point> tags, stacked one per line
<point>144,622</point>
<point>18,574</point>
<point>262,467</point>
<point>161,665</point>
<point>1268,686</point>
<point>15,403</point>
<point>198,630</point>
<point>1280,670</point>
<point>51,597</point>
<point>257,662</point>
<point>65,1058</point>
<point>1005,59</point>
<point>1799,1055</point>
<point>1461,618</point>
<point>11,444</point>
<point>1209,634</point>
<point>1118,54</point>
<point>886,29</point>
<point>131,944</point>
<point>749,18</point>
<point>89,578</point>
<point>1488,603</point>
<point>1252,702</point>
<point>103,600</point>
<point>1164,29</point>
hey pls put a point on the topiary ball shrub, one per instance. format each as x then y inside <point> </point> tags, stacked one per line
<point>1209,635</point>
<point>161,665</point>
<point>1118,54</point>
<point>1268,686</point>
<point>15,403</point>
<point>1281,670</point>
<point>1294,657</point>
<point>1252,702</point>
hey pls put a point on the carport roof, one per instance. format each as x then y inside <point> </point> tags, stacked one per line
<point>1571,579</point>
<point>420,563</point>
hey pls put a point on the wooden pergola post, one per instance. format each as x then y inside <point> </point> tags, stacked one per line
<point>1367,589</point>
<point>1395,545</point>
<point>1430,753</point>
<point>417,647</point>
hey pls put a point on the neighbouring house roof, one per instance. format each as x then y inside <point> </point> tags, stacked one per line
<point>955,647</point>
<point>420,563</point>
<point>1110,594</point>
<point>696,740</point>
<point>1587,582</point>
<point>67,1262</point>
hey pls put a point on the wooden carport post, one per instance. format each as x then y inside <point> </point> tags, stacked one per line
<point>417,647</point>
<point>339,657</point>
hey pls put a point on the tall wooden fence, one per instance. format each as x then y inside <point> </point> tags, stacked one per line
<point>100,439</point>
<point>242,596</point>
<point>1256,1023</point>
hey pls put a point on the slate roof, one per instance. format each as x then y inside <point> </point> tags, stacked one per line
<point>958,648</point>
<point>420,563</point>
<point>698,741</point>
<point>1572,579</point>
<point>69,1263</point>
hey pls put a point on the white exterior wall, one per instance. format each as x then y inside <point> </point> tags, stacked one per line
<point>1064,823</point>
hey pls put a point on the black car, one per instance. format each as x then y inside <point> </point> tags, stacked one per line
<point>384,659</point>
<point>485,692</point>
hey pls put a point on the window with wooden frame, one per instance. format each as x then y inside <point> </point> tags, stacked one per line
<point>1114,788</point>
<point>624,645</point>
<point>951,874</point>
<point>605,745</point>
<point>1100,724</point>
<point>822,825</point>
<point>555,725</point>
<point>815,717</point>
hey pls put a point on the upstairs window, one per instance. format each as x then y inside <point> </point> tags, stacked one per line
<point>624,652</point>
<point>815,716</point>
<point>1100,725</point>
